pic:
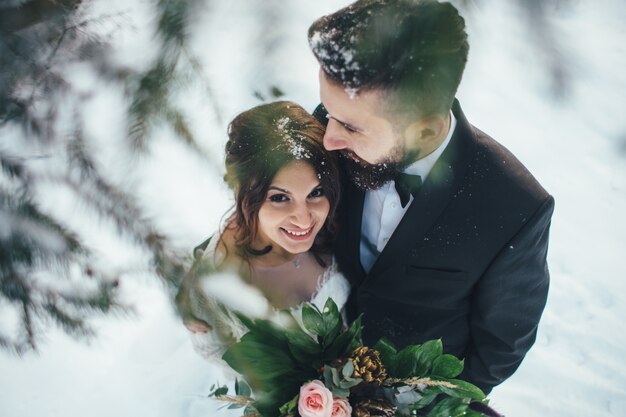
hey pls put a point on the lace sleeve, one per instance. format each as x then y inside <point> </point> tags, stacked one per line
<point>332,284</point>
<point>226,327</point>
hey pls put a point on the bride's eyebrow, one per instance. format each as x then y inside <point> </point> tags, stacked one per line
<point>273,187</point>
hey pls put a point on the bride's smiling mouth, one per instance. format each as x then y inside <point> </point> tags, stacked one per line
<point>299,234</point>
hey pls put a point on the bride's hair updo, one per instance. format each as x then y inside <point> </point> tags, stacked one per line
<point>263,140</point>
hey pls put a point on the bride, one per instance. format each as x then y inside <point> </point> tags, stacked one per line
<point>278,237</point>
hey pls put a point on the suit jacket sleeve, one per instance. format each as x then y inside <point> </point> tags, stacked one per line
<point>507,303</point>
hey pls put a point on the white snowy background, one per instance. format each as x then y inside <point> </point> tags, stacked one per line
<point>145,365</point>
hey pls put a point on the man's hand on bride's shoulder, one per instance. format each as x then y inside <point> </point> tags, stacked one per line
<point>183,305</point>
<point>197,326</point>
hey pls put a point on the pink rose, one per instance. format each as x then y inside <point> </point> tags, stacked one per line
<point>315,400</point>
<point>341,408</point>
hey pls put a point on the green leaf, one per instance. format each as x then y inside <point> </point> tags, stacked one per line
<point>331,323</point>
<point>447,366</point>
<point>289,407</point>
<point>406,361</point>
<point>449,407</point>
<point>303,347</point>
<point>472,413</point>
<point>416,360</point>
<point>234,406</point>
<point>347,341</point>
<point>221,391</point>
<point>312,319</point>
<point>463,389</point>
<point>429,351</point>
<point>428,396</point>
<point>388,353</point>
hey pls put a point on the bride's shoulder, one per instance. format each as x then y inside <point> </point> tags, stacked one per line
<point>220,249</point>
<point>332,284</point>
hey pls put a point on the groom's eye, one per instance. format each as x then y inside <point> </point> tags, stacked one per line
<point>350,129</point>
<point>278,198</point>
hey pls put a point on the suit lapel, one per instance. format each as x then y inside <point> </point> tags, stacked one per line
<point>437,191</point>
<point>348,238</point>
<point>353,218</point>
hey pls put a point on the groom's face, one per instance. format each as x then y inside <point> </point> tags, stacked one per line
<point>357,128</point>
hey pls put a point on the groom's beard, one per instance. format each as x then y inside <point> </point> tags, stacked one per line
<point>366,176</point>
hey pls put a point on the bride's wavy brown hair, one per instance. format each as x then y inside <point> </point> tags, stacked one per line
<point>262,141</point>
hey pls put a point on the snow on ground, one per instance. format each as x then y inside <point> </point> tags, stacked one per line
<point>576,147</point>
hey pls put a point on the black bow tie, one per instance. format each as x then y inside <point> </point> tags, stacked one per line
<point>407,185</point>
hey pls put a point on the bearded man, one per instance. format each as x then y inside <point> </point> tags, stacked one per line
<point>443,232</point>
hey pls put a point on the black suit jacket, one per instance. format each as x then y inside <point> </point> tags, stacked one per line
<point>466,264</point>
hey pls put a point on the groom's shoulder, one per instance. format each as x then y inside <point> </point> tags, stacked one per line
<point>496,167</point>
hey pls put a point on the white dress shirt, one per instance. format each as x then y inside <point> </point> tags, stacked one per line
<point>382,210</point>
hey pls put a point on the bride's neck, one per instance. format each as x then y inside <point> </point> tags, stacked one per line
<point>275,257</point>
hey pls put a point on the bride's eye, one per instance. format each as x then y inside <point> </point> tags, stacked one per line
<point>318,192</point>
<point>278,198</point>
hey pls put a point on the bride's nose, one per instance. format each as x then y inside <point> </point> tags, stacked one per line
<point>301,216</point>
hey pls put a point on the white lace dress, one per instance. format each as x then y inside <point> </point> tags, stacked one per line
<point>227,329</point>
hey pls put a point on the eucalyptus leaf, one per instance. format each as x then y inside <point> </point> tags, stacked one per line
<point>335,375</point>
<point>408,397</point>
<point>328,377</point>
<point>249,410</point>
<point>242,388</point>
<point>350,384</point>
<point>348,369</point>
<point>339,392</point>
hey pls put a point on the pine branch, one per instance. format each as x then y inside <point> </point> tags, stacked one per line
<point>71,325</point>
<point>34,12</point>
<point>28,324</point>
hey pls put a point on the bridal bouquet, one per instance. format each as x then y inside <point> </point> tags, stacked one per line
<point>324,371</point>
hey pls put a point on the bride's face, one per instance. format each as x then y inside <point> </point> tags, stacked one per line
<point>294,210</point>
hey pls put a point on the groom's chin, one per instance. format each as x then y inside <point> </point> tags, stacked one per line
<point>366,176</point>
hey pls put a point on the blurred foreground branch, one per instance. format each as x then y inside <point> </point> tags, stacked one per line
<point>47,273</point>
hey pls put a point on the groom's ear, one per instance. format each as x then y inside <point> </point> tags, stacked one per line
<point>426,132</point>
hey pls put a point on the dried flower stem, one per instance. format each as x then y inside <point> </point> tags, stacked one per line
<point>420,381</point>
<point>240,400</point>
<point>236,399</point>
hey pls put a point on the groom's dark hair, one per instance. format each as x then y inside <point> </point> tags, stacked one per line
<point>414,51</point>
